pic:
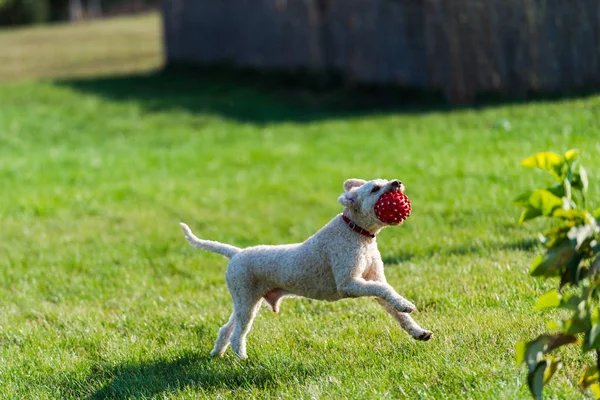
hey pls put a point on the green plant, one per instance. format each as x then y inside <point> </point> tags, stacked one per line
<point>572,253</point>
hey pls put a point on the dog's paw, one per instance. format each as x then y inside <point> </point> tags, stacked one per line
<point>424,336</point>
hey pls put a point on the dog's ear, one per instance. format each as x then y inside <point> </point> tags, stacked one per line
<point>352,183</point>
<point>347,199</point>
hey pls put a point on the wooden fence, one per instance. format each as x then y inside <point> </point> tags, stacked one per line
<point>462,47</point>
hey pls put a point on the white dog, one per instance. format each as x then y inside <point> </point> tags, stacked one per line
<point>339,261</point>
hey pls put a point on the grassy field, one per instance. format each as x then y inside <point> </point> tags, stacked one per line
<point>101,297</point>
<point>119,45</point>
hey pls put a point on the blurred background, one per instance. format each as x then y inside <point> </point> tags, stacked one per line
<point>465,50</point>
<point>54,39</point>
<point>25,12</point>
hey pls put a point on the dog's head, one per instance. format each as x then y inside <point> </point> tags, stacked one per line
<point>360,198</point>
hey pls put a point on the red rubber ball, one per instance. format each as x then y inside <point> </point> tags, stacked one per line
<point>392,208</point>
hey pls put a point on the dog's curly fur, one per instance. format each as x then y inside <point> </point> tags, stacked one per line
<point>333,264</point>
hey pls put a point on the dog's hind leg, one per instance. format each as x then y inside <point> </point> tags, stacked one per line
<point>223,337</point>
<point>406,322</point>
<point>244,315</point>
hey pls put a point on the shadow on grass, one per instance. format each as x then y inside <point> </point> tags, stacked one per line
<point>252,96</point>
<point>465,249</point>
<point>160,377</point>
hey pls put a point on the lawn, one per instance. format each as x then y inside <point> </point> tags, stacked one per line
<point>101,297</point>
<point>119,45</point>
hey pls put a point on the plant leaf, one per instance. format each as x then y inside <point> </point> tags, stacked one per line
<point>543,344</point>
<point>584,180</point>
<point>554,325</point>
<point>522,200</point>
<point>555,260</point>
<point>547,161</point>
<point>589,376</point>
<point>535,379</point>
<point>571,155</point>
<point>557,190</point>
<point>574,215</point>
<point>529,213</point>
<point>552,366</point>
<point>596,264</point>
<point>548,300</point>
<point>571,301</point>
<point>596,390</point>
<point>537,268</point>
<point>593,339</point>
<point>573,272</point>
<point>540,202</point>
<point>574,326</point>
<point>580,322</point>
<point>595,315</point>
<point>545,201</point>
<point>582,235</point>
<point>555,236</point>
<point>567,185</point>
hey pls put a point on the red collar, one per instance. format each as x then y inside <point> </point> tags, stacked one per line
<point>357,228</point>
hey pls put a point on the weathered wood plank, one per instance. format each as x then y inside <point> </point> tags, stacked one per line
<point>462,47</point>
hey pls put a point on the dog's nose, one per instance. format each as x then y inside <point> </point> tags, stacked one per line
<point>396,183</point>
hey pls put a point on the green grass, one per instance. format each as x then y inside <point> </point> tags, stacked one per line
<point>101,297</point>
<point>119,45</point>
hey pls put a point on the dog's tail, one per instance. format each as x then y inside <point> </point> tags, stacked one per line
<point>216,247</point>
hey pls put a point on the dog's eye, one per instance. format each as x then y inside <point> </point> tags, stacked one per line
<point>375,189</point>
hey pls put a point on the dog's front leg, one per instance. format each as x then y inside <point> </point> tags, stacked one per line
<point>359,287</point>
<point>405,320</point>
